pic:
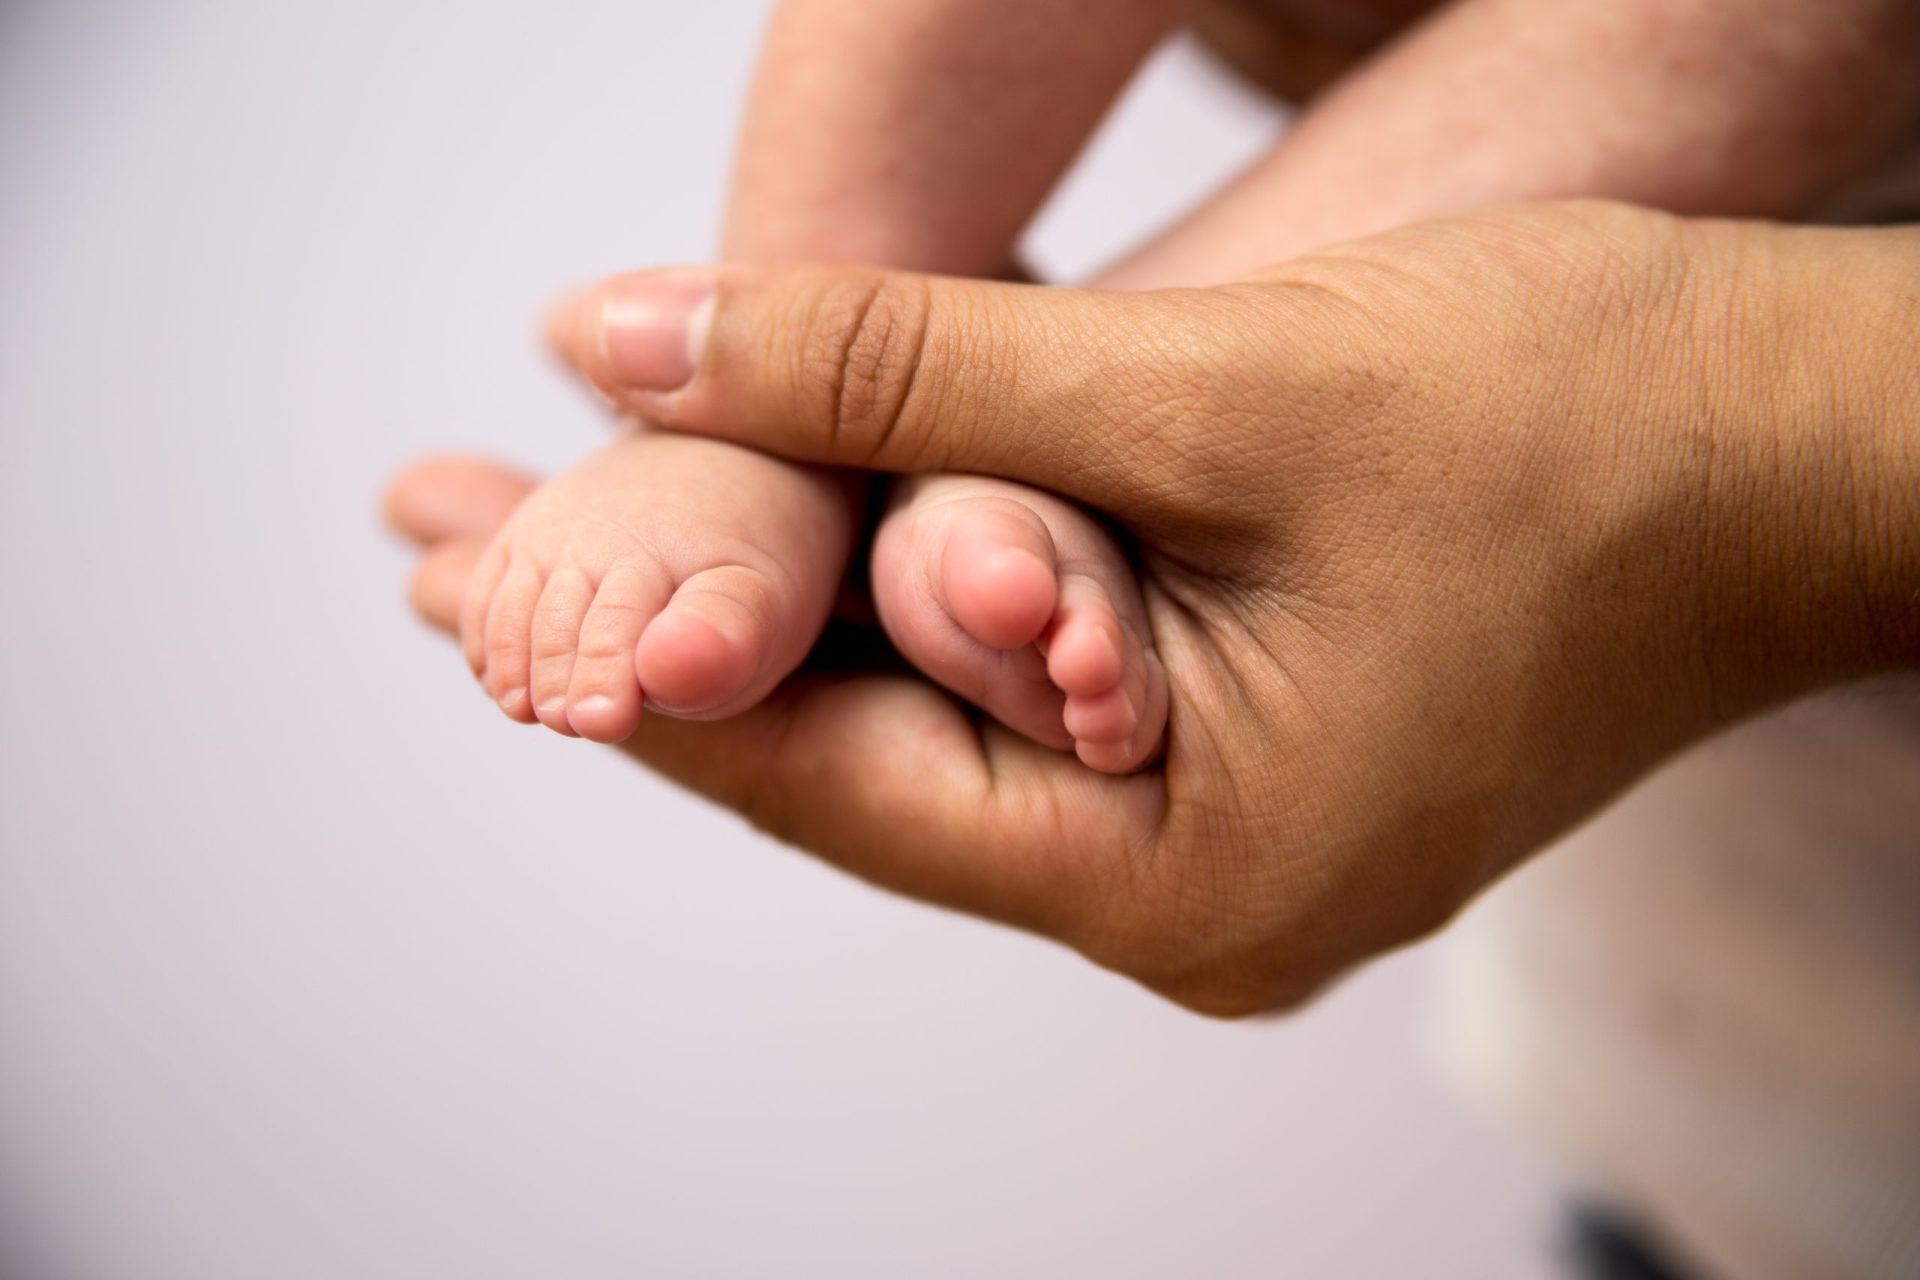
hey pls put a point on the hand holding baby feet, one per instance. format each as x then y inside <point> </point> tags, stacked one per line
<point>690,574</point>
<point>1021,603</point>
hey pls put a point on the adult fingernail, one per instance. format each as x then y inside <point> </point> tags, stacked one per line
<point>655,328</point>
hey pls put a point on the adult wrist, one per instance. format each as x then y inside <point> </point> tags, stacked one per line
<point>1812,474</point>
<point>1880,380</point>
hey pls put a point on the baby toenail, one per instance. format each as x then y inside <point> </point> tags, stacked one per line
<point>594,703</point>
<point>552,707</point>
<point>511,700</point>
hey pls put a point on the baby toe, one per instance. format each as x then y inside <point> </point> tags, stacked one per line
<point>996,567</point>
<point>482,583</point>
<point>1111,715</point>
<point>1087,647</point>
<point>556,637</point>
<point>708,649</point>
<point>1122,730</point>
<point>1100,654</point>
<point>603,695</point>
<point>509,639</point>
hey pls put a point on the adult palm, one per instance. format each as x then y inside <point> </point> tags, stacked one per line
<point>1445,536</point>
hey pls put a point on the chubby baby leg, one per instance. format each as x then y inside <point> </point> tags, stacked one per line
<point>1025,605</point>
<point>690,574</point>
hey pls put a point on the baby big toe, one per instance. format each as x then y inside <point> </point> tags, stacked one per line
<point>997,571</point>
<point>941,567</point>
<point>708,650</point>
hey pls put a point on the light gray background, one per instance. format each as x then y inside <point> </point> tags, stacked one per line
<point>313,966</point>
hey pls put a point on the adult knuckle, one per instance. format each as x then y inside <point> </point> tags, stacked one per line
<point>866,344</point>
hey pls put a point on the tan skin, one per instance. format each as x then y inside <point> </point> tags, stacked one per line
<point>1408,654</point>
<point>1447,536</point>
<point>924,136</point>
<point>1452,534</point>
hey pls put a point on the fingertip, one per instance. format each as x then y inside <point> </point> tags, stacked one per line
<point>451,496</point>
<point>440,580</point>
<point>559,323</point>
<point>413,500</point>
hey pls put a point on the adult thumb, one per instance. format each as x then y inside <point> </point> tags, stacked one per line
<point>1088,394</point>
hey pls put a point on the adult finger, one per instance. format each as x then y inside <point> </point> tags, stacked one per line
<point>453,496</point>
<point>440,580</point>
<point>889,779</point>
<point>1106,397</point>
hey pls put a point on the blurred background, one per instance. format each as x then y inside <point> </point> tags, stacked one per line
<point>311,964</point>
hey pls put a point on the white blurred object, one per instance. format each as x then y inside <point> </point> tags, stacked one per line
<point>1709,1000</point>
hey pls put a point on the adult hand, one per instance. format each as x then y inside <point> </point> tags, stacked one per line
<point>1446,537</point>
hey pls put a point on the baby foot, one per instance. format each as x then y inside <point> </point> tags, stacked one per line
<point>689,573</point>
<point>1022,604</point>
